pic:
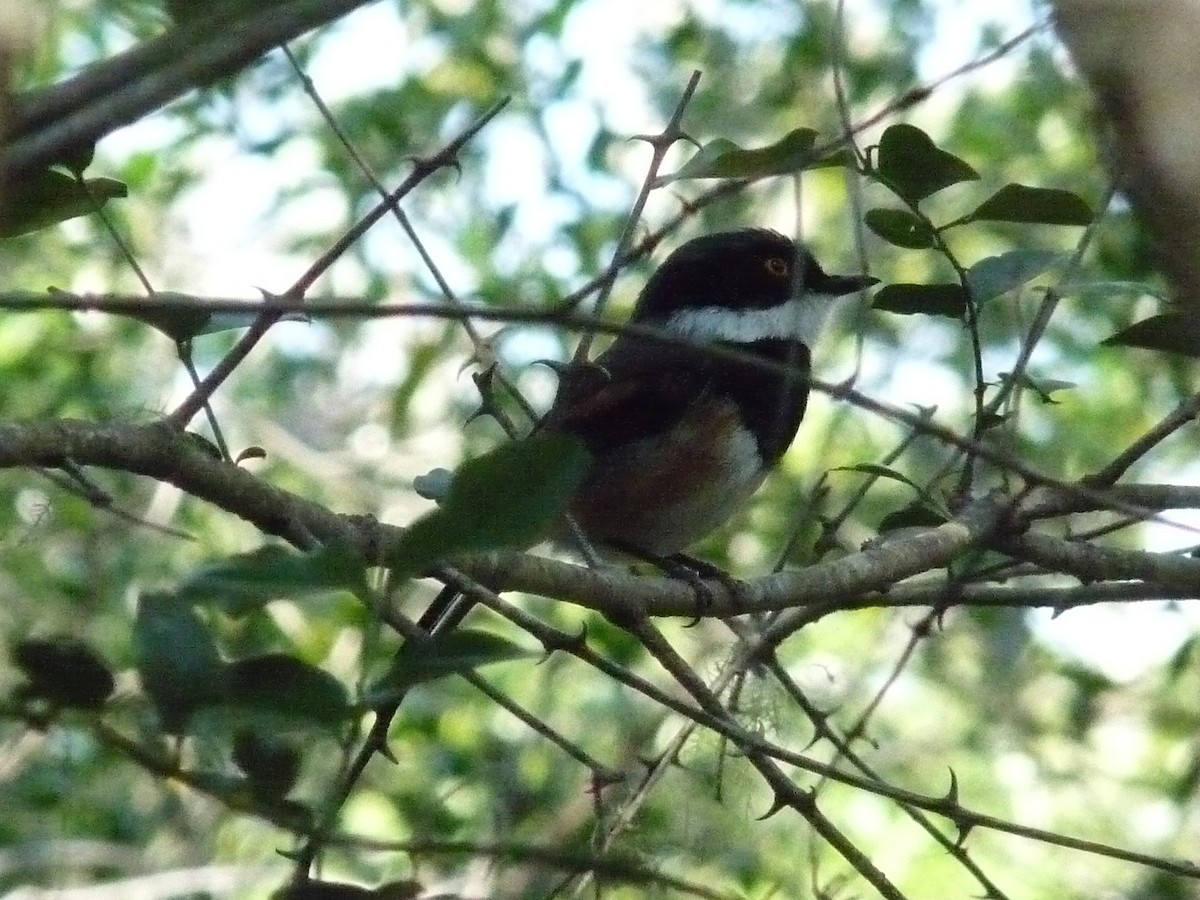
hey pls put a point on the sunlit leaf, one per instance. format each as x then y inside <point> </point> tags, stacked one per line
<point>1105,288</point>
<point>1044,388</point>
<point>723,158</point>
<point>996,275</point>
<point>881,472</point>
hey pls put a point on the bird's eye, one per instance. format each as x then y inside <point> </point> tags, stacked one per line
<point>778,266</point>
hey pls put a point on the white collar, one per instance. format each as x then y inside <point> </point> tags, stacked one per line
<point>800,318</point>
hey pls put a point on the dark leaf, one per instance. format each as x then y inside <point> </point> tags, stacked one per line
<point>916,515</point>
<point>176,658</point>
<point>439,656</point>
<point>1042,206</point>
<point>323,890</point>
<point>724,159</point>
<point>996,275</point>
<point>914,167</point>
<point>1168,332</point>
<point>281,692</point>
<point>250,580</point>
<point>932,299</point>
<point>900,227</point>
<point>271,762</point>
<point>189,11</point>
<point>250,453</point>
<point>39,199</point>
<point>506,498</point>
<point>64,671</point>
<point>990,420</point>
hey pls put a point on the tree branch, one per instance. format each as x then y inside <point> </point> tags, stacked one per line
<point>67,119</point>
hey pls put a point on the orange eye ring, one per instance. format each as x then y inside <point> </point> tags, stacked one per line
<point>778,266</point>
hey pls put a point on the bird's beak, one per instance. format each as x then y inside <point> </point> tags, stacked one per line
<point>837,285</point>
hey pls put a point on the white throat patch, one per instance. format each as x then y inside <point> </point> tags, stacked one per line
<point>800,318</point>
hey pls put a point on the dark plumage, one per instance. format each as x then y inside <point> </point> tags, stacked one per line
<point>682,437</point>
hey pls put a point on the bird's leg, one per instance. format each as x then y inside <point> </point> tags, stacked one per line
<point>692,570</point>
<point>705,569</point>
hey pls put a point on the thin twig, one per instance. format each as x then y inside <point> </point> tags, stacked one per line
<point>660,143</point>
<point>293,297</point>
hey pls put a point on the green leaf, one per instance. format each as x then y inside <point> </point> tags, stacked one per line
<point>1044,388</point>
<point>900,227</point>
<point>1040,206</point>
<point>1167,332</point>
<point>279,691</point>
<point>189,11</point>
<point>187,318</point>
<point>881,472</point>
<point>916,515</point>
<point>177,659</point>
<point>723,158</point>
<point>324,890</point>
<point>932,299</point>
<point>996,275</point>
<point>239,584</point>
<point>506,498</point>
<point>914,167</point>
<point>1107,289</point>
<point>65,671</point>
<point>41,199</point>
<point>439,656</point>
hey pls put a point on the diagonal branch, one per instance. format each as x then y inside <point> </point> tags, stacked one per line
<point>68,118</point>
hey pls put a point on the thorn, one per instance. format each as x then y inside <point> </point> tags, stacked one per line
<point>964,829</point>
<point>951,797</point>
<point>776,805</point>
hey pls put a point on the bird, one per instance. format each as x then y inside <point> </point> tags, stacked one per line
<point>681,436</point>
<point>682,429</point>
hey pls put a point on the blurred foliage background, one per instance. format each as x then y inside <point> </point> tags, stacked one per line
<point>1083,724</point>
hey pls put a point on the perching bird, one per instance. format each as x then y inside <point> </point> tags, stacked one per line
<point>682,437</point>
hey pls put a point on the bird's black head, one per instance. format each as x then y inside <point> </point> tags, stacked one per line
<point>742,286</point>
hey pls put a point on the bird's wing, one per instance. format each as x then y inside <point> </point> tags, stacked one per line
<point>626,396</point>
